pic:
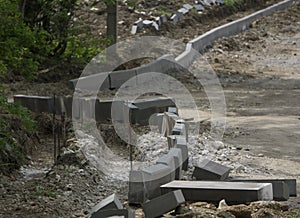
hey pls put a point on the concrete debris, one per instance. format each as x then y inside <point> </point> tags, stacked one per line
<point>187,6</point>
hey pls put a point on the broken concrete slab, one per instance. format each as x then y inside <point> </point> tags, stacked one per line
<point>279,190</point>
<point>220,2</point>
<point>76,108</point>
<point>158,21</point>
<point>139,24</point>
<point>111,202</point>
<point>169,201</point>
<point>205,2</point>
<point>179,129</point>
<point>183,11</point>
<point>156,121</point>
<point>173,110</point>
<point>199,7</point>
<point>145,108</point>
<point>137,189</point>
<point>147,22</point>
<point>177,155</point>
<point>182,144</point>
<point>155,176</point>
<point>66,105</point>
<point>170,162</point>
<point>179,14</point>
<point>169,121</point>
<point>164,18</point>
<point>124,213</point>
<point>134,29</point>
<point>212,191</point>
<point>86,108</point>
<point>188,6</point>
<point>36,103</point>
<point>210,170</point>
<point>145,184</point>
<point>176,141</point>
<point>91,82</point>
<point>174,18</point>
<point>155,25</point>
<point>210,2</point>
<point>106,110</point>
<point>161,102</point>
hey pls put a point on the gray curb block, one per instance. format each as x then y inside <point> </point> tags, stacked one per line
<point>202,42</point>
<point>185,59</point>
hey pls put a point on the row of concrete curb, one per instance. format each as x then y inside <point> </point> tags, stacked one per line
<point>115,79</point>
<point>166,63</point>
<point>140,110</point>
<point>145,184</point>
<point>202,42</point>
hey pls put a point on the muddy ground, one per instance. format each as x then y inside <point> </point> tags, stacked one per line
<point>259,72</point>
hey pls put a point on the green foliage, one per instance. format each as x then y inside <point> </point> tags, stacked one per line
<point>16,40</point>
<point>32,32</point>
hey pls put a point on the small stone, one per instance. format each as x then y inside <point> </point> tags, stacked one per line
<point>260,155</point>
<point>222,204</point>
<point>239,169</point>
<point>218,145</point>
<point>225,214</point>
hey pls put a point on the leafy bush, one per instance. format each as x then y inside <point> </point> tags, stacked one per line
<point>34,32</point>
<point>16,40</point>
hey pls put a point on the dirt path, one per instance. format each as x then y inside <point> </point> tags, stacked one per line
<point>260,73</point>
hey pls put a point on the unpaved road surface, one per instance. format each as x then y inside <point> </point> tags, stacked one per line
<point>260,72</point>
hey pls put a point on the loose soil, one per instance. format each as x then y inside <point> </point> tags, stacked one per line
<point>259,72</point>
